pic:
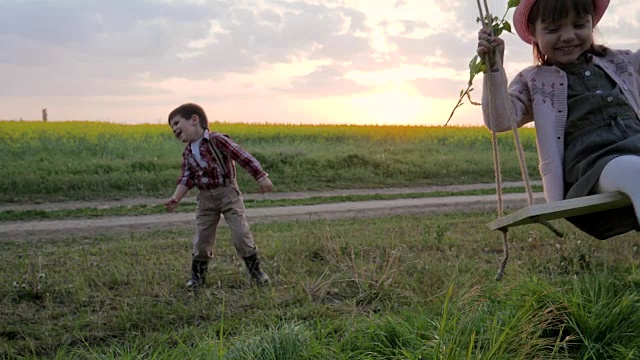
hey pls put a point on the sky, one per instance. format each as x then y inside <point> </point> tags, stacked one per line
<point>385,62</point>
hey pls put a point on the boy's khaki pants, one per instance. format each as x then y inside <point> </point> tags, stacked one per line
<point>223,200</point>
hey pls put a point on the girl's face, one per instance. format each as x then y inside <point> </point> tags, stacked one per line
<point>564,41</point>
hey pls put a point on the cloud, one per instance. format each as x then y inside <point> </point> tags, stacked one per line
<point>99,28</point>
<point>234,49</point>
<point>325,81</point>
<point>619,26</point>
<point>42,82</point>
<point>440,88</point>
<point>120,40</point>
<point>400,3</point>
<point>94,48</point>
<point>445,45</point>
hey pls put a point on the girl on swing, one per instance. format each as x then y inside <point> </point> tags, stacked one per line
<point>584,99</point>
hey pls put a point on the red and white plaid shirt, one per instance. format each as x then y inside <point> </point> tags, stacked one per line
<point>193,174</point>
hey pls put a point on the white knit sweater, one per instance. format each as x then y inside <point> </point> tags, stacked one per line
<point>539,94</point>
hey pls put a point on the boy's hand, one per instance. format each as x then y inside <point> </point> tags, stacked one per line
<point>265,184</point>
<point>171,204</point>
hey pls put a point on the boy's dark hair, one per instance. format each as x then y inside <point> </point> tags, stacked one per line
<point>187,111</point>
<point>550,11</point>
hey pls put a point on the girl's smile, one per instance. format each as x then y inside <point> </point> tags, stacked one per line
<point>564,41</point>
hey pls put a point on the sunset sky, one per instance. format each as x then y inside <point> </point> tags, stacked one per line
<point>277,61</point>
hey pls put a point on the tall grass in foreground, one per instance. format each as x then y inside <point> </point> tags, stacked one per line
<point>418,287</point>
<point>85,160</point>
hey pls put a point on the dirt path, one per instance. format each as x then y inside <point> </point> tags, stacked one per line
<point>105,204</point>
<point>42,230</point>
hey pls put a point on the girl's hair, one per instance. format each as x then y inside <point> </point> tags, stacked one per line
<point>550,11</point>
<point>188,110</point>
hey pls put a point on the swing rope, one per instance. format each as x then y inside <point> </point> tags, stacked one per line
<point>496,154</point>
<point>496,151</point>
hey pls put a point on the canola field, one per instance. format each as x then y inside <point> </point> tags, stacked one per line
<point>76,160</point>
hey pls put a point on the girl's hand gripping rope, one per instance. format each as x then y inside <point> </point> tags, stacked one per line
<point>487,45</point>
<point>492,46</point>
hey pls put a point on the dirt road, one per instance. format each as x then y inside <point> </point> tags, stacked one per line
<point>42,230</point>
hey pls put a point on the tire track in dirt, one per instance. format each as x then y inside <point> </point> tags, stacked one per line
<point>106,204</point>
<point>43,230</point>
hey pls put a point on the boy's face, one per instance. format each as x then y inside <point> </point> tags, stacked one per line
<point>186,130</point>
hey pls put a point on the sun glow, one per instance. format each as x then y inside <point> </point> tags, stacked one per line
<point>391,104</point>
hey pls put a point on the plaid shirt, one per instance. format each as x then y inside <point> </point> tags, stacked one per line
<point>192,174</point>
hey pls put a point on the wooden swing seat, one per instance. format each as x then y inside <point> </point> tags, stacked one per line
<point>561,209</point>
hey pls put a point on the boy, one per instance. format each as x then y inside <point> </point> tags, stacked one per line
<point>208,163</point>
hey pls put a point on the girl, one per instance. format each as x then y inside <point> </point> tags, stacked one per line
<point>584,100</point>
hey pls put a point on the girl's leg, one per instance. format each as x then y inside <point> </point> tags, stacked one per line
<point>622,174</point>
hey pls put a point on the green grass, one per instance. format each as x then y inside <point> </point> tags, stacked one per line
<point>134,210</point>
<point>405,287</point>
<point>43,162</point>
<point>410,287</point>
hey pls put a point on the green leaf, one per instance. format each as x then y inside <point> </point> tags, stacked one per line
<point>473,62</point>
<point>477,65</point>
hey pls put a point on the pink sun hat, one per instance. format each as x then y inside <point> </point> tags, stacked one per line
<point>521,14</point>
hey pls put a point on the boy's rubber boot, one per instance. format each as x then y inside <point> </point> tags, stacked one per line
<point>253,265</point>
<point>198,272</point>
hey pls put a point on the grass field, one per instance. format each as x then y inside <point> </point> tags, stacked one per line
<point>412,287</point>
<point>84,160</point>
<point>403,287</point>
